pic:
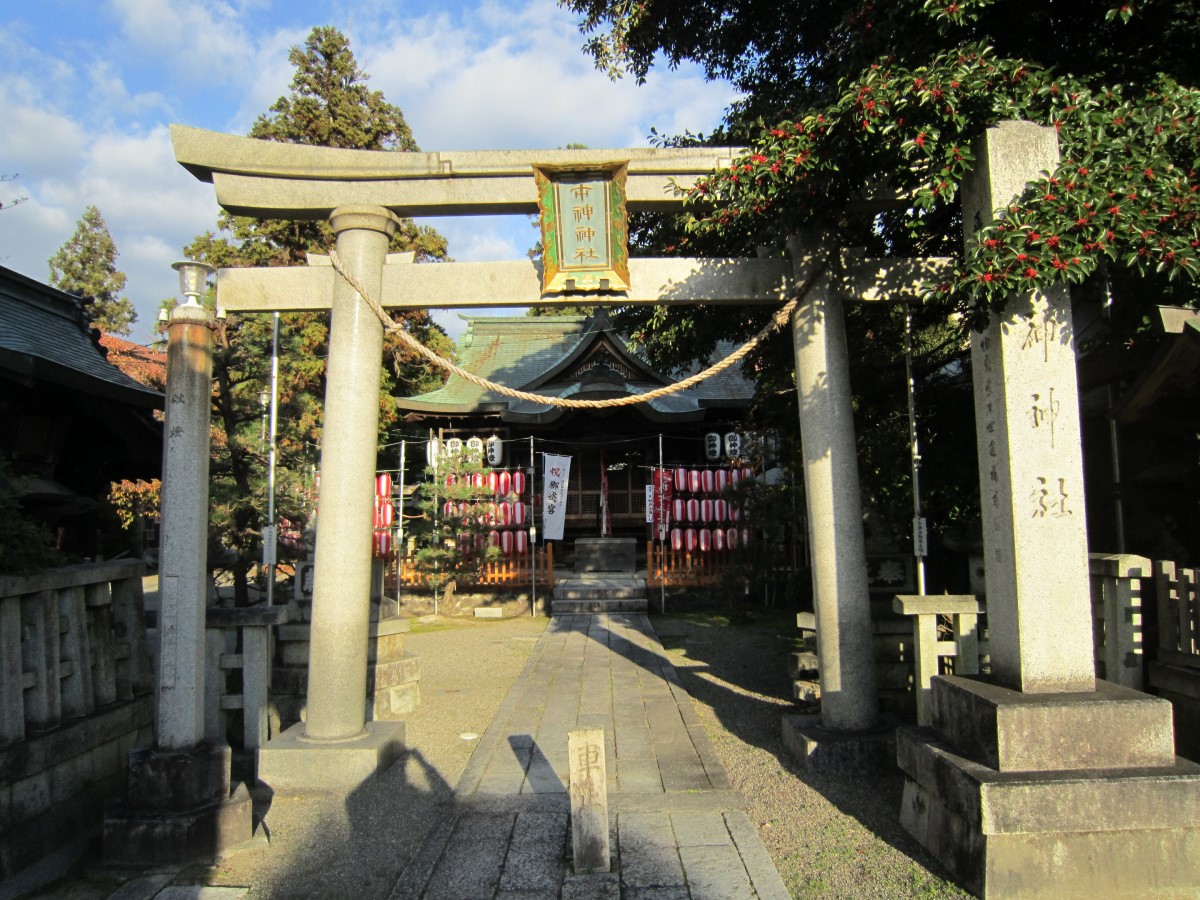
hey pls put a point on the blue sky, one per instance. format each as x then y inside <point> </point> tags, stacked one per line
<point>88,88</point>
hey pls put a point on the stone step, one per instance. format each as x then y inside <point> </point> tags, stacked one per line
<point>632,592</point>
<point>567,607</point>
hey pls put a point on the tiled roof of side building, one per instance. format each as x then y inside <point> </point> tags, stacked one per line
<point>43,338</point>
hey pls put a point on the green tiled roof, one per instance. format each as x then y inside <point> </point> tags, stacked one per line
<point>537,353</point>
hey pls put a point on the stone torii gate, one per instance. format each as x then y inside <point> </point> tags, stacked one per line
<point>362,193</point>
<point>1039,780</point>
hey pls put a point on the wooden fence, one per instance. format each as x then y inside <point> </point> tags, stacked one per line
<point>684,568</point>
<point>510,572</point>
<point>72,640</point>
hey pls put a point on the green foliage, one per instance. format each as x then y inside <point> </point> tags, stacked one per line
<point>86,266</point>
<point>26,545</point>
<point>329,104</point>
<point>453,543</point>
<point>1124,195</point>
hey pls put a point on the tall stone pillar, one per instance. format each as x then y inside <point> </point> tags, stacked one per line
<point>183,557</point>
<point>1040,779</point>
<point>335,746</point>
<point>178,807</point>
<point>840,738</point>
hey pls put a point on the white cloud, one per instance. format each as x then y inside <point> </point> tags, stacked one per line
<point>196,39</point>
<point>514,77</point>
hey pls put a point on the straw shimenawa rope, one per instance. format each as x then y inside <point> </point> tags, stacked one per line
<point>777,321</point>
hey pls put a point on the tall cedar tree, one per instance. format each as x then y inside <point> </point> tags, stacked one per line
<point>329,105</point>
<point>86,266</point>
<point>844,97</point>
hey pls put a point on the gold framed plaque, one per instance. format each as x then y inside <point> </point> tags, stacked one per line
<point>585,228</point>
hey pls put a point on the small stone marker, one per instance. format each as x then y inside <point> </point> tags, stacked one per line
<point>589,800</point>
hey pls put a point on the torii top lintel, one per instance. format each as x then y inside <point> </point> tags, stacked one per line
<point>270,179</point>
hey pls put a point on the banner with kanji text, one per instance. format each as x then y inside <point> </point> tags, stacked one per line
<point>554,496</point>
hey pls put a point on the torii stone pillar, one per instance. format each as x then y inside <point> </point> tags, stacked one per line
<point>335,746</point>
<point>831,489</point>
<point>1042,780</point>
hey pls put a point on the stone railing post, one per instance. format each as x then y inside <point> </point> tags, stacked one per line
<point>928,648</point>
<point>1118,598</point>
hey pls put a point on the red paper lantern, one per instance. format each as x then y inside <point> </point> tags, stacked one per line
<point>708,481</point>
<point>521,542</point>
<point>505,483</point>
<point>681,480</point>
<point>747,473</point>
<point>493,482</point>
<point>676,539</point>
<point>718,540</point>
<point>383,485</point>
<point>518,483</point>
<point>731,538</point>
<point>693,510</point>
<point>720,510</point>
<point>449,509</point>
<point>706,510</point>
<point>506,543</point>
<point>735,513</point>
<point>518,512</point>
<point>478,481</point>
<point>503,514</point>
<point>722,479</point>
<point>493,539</point>
<point>705,540</point>
<point>694,480</point>
<point>383,513</point>
<point>382,544</point>
<point>677,507</point>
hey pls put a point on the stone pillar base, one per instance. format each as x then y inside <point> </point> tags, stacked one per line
<point>821,750</point>
<point>290,762</point>
<point>1093,819</point>
<point>178,809</point>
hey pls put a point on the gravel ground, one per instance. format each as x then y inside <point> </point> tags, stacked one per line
<point>830,837</point>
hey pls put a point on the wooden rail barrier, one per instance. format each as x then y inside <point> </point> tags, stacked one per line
<point>683,568</point>
<point>514,571</point>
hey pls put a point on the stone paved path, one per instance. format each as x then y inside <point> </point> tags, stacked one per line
<point>677,830</point>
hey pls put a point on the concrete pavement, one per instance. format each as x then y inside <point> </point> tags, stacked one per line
<point>677,830</point>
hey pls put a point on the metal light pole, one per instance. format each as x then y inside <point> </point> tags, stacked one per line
<point>920,539</point>
<point>270,532</point>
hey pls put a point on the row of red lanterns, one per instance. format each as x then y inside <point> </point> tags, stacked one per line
<point>706,539</point>
<point>709,481</point>
<point>500,483</point>
<point>693,510</point>
<point>502,514</point>
<point>385,515</point>
<point>510,543</point>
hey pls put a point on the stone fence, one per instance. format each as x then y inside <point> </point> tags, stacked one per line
<point>75,697</point>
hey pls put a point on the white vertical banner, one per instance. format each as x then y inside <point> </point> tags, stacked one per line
<point>554,496</point>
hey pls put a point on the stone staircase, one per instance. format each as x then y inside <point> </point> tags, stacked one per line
<point>604,580</point>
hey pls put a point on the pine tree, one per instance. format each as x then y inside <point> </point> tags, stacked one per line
<point>86,266</point>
